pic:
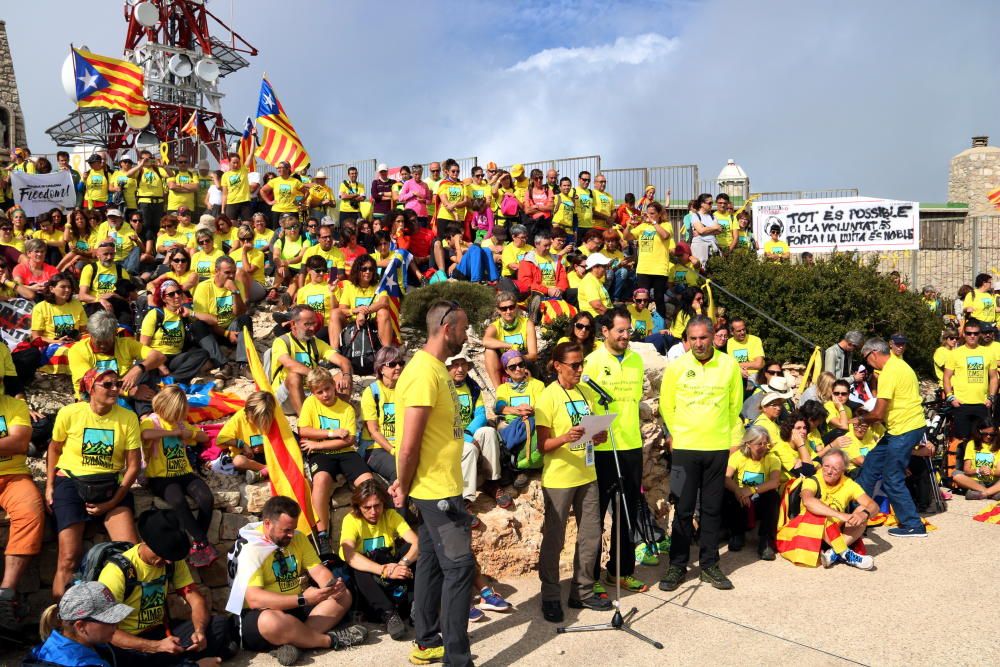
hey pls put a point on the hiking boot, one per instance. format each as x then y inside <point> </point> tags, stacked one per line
<point>253,476</point>
<point>425,656</point>
<point>593,603</point>
<point>520,481</point>
<point>395,626</point>
<point>504,501</point>
<point>474,522</point>
<point>286,654</point>
<point>552,611</point>
<point>673,578</point>
<point>854,559</point>
<point>899,531</point>
<point>8,610</point>
<point>645,556</point>
<point>489,600</point>
<point>766,552</point>
<point>737,542</point>
<point>829,558</point>
<point>713,575</point>
<point>628,582</point>
<point>600,591</point>
<point>202,554</point>
<point>663,546</point>
<point>352,635</point>
<point>974,495</point>
<point>476,615</point>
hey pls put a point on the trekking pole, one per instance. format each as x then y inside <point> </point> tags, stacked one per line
<point>811,345</point>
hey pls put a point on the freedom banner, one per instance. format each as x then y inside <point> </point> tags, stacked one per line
<point>40,193</point>
<point>843,224</point>
<point>15,321</point>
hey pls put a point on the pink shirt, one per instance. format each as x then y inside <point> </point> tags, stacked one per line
<point>23,274</point>
<point>415,196</point>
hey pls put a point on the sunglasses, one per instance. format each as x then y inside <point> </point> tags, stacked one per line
<point>840,393</point>
<point>452,307</point>
<point>987,434</point>
<point>576,365</point>
<point>393,364</point>
<point>136,219</point>
<point>967,333</point>
<point>770,372</point>
<point>951,337</point>
<point>582,326</point>
<point>168,295</point>
<point>110,384</point>
<point>204,241</point>
<point>507,309</point>
<point>638,301</point>
<point>518,366</point>
<point>180,260</point>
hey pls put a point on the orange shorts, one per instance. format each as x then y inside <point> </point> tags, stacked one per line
<point>20,498</point>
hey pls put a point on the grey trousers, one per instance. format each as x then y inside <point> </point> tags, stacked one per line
<point>585,502</point>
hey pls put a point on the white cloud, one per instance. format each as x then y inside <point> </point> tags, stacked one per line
<point>632,50</point>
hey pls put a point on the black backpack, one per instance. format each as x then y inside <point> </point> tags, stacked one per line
<point>359,345</point>
<point>101,554</point>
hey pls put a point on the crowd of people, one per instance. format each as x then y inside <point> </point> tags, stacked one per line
<point>152,279</point>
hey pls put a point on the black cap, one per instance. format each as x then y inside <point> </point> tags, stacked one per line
<point>161,531</point>
<point>95,157</point>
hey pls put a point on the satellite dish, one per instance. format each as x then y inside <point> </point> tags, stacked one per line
<point>146,140</point>
<point>180,65</point>
<point>69,77</point>
<point>137,122</point>
<point>146,14</point>
<point>207,70</point>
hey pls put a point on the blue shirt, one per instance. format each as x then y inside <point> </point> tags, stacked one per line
<point>61,650</point>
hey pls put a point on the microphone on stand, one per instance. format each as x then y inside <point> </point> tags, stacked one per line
<point>599,390</point>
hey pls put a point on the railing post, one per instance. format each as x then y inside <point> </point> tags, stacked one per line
<point>975,245</point>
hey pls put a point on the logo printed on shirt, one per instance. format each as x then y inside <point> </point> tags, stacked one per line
<point>63,323</point>
<point>286,571</point>
<point>328,423</point>
<point>517,339</point>
<point>741,356</point>
<point>106,365</point>
<point>751,478</point>
<point>151,603</point>
<point>224,307</point>
<point>4,434</point>
<point>98,447</point>
<point>389,421</point>
<point>175,454</point>
<point>576,410</point>
<point>317,302</point>
<point>256,441</point>
<point>975,369</point>
<point>106,282</point>
<point>203,268</point>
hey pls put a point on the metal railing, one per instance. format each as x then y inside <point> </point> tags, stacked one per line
<point>337,173</point>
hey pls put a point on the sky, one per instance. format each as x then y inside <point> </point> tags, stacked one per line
<point>803,95</point>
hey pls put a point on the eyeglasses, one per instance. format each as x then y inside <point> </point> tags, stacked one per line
<point>507,309</point>
<point>582,326</point>
<point>110,384</point>
<point>452,307</point>
<point>393,364</point>
<point>840,393</point>
<point>515,367</point>
<point>168,295</point>
<point>967,333</point>
<point>987,434</point>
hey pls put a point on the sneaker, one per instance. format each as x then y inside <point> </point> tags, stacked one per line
<point>504,501</point>
<point>600,591</point>
<point>394,626</point>
<point>673,578</point>
<point>974,495</point>
<point>323,544</point>
<point>766,552</point>
<point>202,554</point>
<point>829,558</point>
<point>425,656</point>
<point>475,522</point>
<point>520,481</point>
<point>593,603</point>
<point>490,601</point>
<point>645,556</point>
<point>286,654</point>
<point>628,582</point>
<point>713,575</point>
<point>663,546</point>
<point>475,615</point>
<point>737,541</point>
<point>352,635</point>
<point>854,559</point>
<point>253,476</point>
<point>552,611</point>
<point>899,531</point>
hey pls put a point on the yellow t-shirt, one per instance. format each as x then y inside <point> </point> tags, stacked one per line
<point>239,431</point>
<point>898,384</point>
<point>95,187</point>
<point>317,296</point>
<point>513,397</point>
<point>453,193</point>
<point>55,321</point>
<point>838,497</point>
<point>329,418</point>
<point>203,263</point>
<point>289,249</point>
<point>971,379</point>
<point>352,296</point>
<point>584,207</point>
<point>168,241</point>
<point>746,351</point>
<point>983,456</point>
<point>683,273</point>
<point>177,199</point>
<point>149,597</point>
<point>123,238</point>
<point>642,320</point>
<point>263,239</point>
<point>237,184</point>
<point>231,238</point>
<point>128,186</point>
<point>381,410</point>
<point>82,357</point>
<point>860,446</point>
<point>53,238</point>
<point>513,255</point>
<point>654,252</point>
<point>334,257</point>
<point>561,409</point>
<point>13,412</point>
<point>779,248</point>
<point>168,337</point>
<point>481,191</point>
<point>101,279</point>
<point>592,289</point>
<point>93,443</point>
<point>348,188</point>
<point>833,411</point>
<point>286,192</point>
<point>425,382</point>
<point>367,537</point>
<point>983,305</point>
<point>166,457</point>
<point>151,184</point>
<point>750,472</point>
<point>728,223</point>
<point>562,210</point>
<point>604,202</point>
<point>218,301</point>
<point>283,569</point>
<point>256,258</point>
<point>940,357</point>
<point>307,354</point>
<point>517,333</point>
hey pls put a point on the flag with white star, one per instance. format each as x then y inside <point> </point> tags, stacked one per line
<point>279,142</point>
<point>108,83</point>
<point>393,285</point>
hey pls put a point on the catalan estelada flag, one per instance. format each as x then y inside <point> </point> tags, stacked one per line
<point>990,515</point>
<point>801,539</point>
<point>393,285</point>
<point>994,197</point>
<point>109,83</point>
<point>279,141</point>
<point>191,127</point>
<point>281,451</point>
<point>248,143</point>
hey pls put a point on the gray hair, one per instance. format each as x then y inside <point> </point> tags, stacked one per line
<point>102,326</point>
<point>874,345</point>
<point>752,436</point>
<point>518,229</point>
<point>855,338</point>
<point>31,245</point>
<point>388,355</point>
<point>835,451</point>
<point>699,321</point>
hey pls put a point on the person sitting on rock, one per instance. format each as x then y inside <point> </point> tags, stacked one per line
<point>141,578</point>
<point>221,310</point>
<point>165,436</point>
<point>279,614</point>
<point>378,410</point>
<point>299,351</point>
<point>482,442</point>
<point>327,430</point>
<point>515,402</point>
<point>242,437</point>
<point>381,549</point>
<point>753,475</point>
<point>512,330</point>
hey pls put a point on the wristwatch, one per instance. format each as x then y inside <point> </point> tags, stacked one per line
<point>404,561</point>
<point>302,600</point>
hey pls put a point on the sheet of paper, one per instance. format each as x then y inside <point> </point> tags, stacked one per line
<point>594,424</point>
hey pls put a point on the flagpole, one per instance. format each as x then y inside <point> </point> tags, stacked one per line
<point>72,56</point>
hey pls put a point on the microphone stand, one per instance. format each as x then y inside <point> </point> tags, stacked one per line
<point>618,620</point>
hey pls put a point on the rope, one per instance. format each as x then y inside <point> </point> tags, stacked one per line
<point>810,345</point>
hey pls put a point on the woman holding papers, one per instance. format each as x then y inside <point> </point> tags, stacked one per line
<point>568,481</point>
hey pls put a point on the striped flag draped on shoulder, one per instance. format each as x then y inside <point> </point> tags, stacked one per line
<point>279,141</point>
<point>393,285</point>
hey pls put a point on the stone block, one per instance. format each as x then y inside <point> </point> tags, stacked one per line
<point>231,524</point>
<point>215,574</point>
<point>178,608</point>
<point>214,527</point>
<point>226,499</point>
<point>143,500</point>
<point>256,495</point>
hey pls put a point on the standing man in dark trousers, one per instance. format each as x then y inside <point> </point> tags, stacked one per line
<point>700,400</point>
<point>619,371</point>
<point>429,469</point>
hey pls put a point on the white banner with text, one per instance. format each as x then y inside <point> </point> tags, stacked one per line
<point>40,193</point>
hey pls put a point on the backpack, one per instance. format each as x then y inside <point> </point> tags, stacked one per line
<point>375,394</point>
<point>359,345</point>
<point>509,205</point>
<point>101,554</point>
<point>93,276</point>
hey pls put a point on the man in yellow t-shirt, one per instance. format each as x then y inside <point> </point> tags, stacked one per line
<point>125,184</point>
<point>980,304</point>
<point>899,406</point>
<point>744,347</point>
<point>236,191</point>
<point>970,383</point>
<point>351,193</point>
<point>583,205</point>
<point>221,310</point>
<point>335,262</point>
<point>182,185</point>
<point>296,353</point>
<point>276,607</point>
<point>106,350</point>
<point>429,467</point>
<point>655,242</point>
<point>604,203</point>
<point>151,182</point>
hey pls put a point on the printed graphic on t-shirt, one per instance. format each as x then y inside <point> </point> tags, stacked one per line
<point>223,306</point>
<point>975,369</point>
<point>517,339</point>
<point>107,365</point>
<point>152,601</point>
<point>328,423</point>
<point>372,543</point>
<point>389,421</point>
<point>63,324</point>
<point>98,447</point>
<point>4,434</point>
<point>751,478</point>
<point>286,571</point>
<point>173,452</point>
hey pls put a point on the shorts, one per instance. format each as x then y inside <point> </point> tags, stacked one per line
<point>20,498</point>
<point>964,416</point>
<point>350,465</point>
<point>68,507</point>
<point>250,635</point>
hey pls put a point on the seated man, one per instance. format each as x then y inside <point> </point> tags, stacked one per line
<point>279,615</point>
<point>141,578</point>
<point>827,497</point>
<point>221,312</point>
<point>482,442</point>
<point>103,282</point>
<point>296,353</point>
<point>106,350</point>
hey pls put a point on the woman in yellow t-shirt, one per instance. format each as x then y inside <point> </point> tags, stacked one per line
<point>378,411</point>
<point>753,475</point>
<point>203,261</point>
<point>368,538</point>
<point>838,412</point>
<point>582,330</point>
<point>243,436</point>
<point>692,302</point>
<point>78,238</point>
<point>776,250</point>
<point>358,304</point>
<point>949,340</point>
<point>165,328</point>
<point>178,262</point>
<point>60,318</point>
<point>980,475</point>
<point>250,265</point>
<point>166,435</point>
<point>512,330</point>
<point>791,448</point>
<point>287,255</point>
<point>569,480</point>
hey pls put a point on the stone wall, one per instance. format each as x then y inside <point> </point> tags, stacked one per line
<point>9,96</point>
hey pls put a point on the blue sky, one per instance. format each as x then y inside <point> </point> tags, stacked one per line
<point>802,94</point>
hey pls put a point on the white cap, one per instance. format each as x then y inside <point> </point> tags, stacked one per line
<point>383,167</point>
<point>463,355</point>
<point>113,212</point>
<point>320,174</point>
<point>597,259</point>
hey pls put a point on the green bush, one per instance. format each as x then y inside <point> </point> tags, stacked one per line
<point>478,301</point>
<point>821,303</point>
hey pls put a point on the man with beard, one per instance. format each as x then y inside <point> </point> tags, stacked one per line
<point>279,614</point>
<point>296,353</point>
<point>428,463</point>
<point>700,401</point>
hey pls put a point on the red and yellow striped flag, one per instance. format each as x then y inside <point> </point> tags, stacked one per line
<point>279,142</point>
<point>994,197</point>
<point>990,515</point>
<point>802,538</point>
<point>281,451</point>
<point>109,83</point>
<point>191,126</point>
